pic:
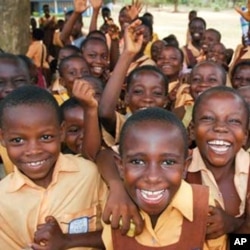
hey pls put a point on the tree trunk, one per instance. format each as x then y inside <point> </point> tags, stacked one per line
<point>14,25</point>
<point>176,5</point>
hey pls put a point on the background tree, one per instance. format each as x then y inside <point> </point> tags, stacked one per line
<point>14,25</point>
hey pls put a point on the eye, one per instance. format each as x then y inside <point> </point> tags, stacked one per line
<point>168,162</point>
<point>46,137</point>
<point>158,93</point>
<point>17,140</point>
<point>73,73</point>
<point>137,162</point>
<point>73,130</point>
<point>212,80</point>
<point>18,81</point>
<point>196,80</point>
<point>137,91</point>
<point>234,121</point>
<point>92,55</point>
<point>206,118</point>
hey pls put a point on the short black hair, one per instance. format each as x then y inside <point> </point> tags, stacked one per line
<point>93,39</point>
<point>219,89</point>
<point>241,63</point>
<point>69,104</point>
<point>71,47</point>
<point>213,64</point>
<point>197,19</point>
<point>66,59</point>
<point>29,95</point>
<point>154,114</point>
<point>216,33</point>
<point>148,68</point>
<point>96,32</point>
<point>38,34</point>
<point>147,23</point>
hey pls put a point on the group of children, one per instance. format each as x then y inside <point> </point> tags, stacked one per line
<point>171,171</point>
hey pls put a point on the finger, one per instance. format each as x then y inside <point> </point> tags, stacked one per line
<point>139,223</point>
<point>124,224</point>
<point>106,216</point>
<point>35,246</point>
<point>50,219</point>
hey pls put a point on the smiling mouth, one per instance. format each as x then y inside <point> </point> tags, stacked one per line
<point>35,164</point>
<point>97,70</point>
<point>152,196</point>
<point>219,146</point>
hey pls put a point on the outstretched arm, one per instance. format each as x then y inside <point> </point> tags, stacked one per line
<point>79,7</point>
<point>85,94</point>
<point>96,4</point>
<point>244,14</point>
<point>133,40</point>
<point>49,236</point>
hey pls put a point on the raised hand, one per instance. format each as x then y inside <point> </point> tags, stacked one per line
<point>244,14</point>
<point>133,36</point>
<point>134,9</point>
<point>96,4</point>
<point>80,6</point>
<point>84,93</point>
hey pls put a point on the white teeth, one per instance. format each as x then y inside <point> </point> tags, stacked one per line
<point>152,195</point>
<point>219,142</point>
<point>219,146</point>
<point>97,69</point>
<point>35,163</point>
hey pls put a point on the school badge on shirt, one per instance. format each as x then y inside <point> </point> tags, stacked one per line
<point>79,225</point>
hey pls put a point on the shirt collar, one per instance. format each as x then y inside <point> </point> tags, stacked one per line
<point>18,179</point>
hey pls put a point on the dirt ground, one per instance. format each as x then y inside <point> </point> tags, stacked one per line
<point>166,22</point>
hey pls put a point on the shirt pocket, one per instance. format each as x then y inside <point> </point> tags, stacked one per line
<point>84,221</point>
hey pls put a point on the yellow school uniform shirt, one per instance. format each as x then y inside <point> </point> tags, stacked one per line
<point>107,137</point>
<point>74,198</point>
<point>7,163</point>
<point>242,161</point>
<point>59,92</point>
<point>147,50</point>
<point>168,227</point>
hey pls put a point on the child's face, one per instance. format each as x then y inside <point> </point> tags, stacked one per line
<point>74,129</point>
<point>204,77</point>
<point>152,165</point>
<point>96,55</point>
<point>241,77</point>
<point>197,30</point>
<point>217,53</point>
<point>147,89</point>
<point>32,136</point>
<point>209,38</point>
<point>73,69</point>
<point>12,76</point>
<point>220,128</point>
<point>245,93</point>
<point>169,62</point>
<point>156,48</point>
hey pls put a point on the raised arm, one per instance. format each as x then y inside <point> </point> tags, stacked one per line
<point>96,5</point>
<point>91,142</point>
<point>133,41</point>
<point>244,14</point>
<point>79,7</point>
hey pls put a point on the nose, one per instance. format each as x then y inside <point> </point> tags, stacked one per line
<point>153,175</point>
<point>33,148</point>
<point>220,127</point>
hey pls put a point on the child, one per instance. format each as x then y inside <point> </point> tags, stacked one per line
<point>71,68</point>
<point>73,117</point>
<point>193,49</point>
<point>61,192</point>
<point>75,120</point>
<point>151,167</point>
<point>240,74</point>
<point>95,52</point>
<point>13,74</point>
<point>146,86</point>
<point>220,123</point>
<point>204,75</point>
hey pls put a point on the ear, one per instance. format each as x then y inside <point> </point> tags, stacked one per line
<point>119,165</point>
<point>1,138</point>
